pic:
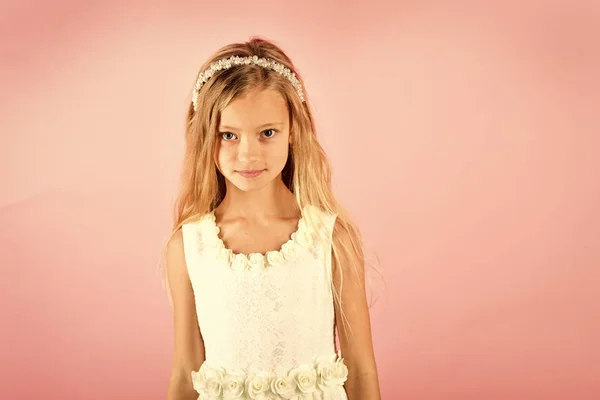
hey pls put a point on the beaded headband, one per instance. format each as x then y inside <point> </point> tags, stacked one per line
<point>236,60</point>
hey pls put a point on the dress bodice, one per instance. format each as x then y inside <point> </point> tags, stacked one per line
<point>267,320</point>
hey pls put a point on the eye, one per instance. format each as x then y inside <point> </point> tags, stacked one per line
<point>273,131</point>
<point>227,136</point>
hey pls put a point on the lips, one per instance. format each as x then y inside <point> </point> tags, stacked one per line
<point>250,173</point>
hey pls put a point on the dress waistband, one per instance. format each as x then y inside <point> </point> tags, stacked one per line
<point>322,379</point>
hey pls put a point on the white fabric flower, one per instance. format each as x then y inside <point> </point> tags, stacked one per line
<point>213,387</point>
<point>331,371</point>
<point>256,261</point>
<point>284,386</point>
<point>289,248</point>
<point>198,379</point>
<point>274,258</point>
<point>239,262</point>
<point>305,377</point>
<point>233,385</point>
<point>208,381</point>
<point>326,372</point>
<point>257,385</point>
<point>341,371</point>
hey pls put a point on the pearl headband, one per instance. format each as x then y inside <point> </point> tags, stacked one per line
<point>236,60</point>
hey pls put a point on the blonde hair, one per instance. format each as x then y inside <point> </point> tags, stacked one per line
<point>307,172</point>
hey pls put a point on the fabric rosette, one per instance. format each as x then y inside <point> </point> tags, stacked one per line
<point>239,262</point>
<point>305,378</point>
<point>288,250</point>
<point>258,386</point>
<point>274,258</point>
<point>233,385</point>
<point>284,387</point>
<point>331,371</point>
<point>256,261</point>
<point>209,382</point>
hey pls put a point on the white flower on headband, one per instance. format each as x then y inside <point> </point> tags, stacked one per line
<point>236,60</point>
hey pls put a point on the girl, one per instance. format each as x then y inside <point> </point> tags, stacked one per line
<point>263,264</point>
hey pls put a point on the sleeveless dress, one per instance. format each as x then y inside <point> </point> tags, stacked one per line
<point>267,321</point>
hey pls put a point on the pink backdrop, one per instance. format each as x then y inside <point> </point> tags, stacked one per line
<point>464,140</point>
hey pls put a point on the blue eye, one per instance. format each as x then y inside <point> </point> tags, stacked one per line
<point>270,130</point>
<point>224,134</point>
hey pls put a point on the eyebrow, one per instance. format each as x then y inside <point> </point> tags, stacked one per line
<point>222,127</point>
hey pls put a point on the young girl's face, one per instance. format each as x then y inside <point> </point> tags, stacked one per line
<point>253,139</point>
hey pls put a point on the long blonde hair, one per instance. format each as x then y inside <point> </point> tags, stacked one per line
<point>307,172</point>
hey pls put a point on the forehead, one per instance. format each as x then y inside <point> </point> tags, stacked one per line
<point>255,109</point>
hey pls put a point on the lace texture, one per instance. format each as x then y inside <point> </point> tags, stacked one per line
<point>267,321</point>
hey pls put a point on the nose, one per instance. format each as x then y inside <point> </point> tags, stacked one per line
<point>248,149</point>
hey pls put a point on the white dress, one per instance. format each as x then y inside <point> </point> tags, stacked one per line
<point>267,321</point>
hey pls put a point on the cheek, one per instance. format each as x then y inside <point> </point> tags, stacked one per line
<point>279,156</point>
<point>224,156</point>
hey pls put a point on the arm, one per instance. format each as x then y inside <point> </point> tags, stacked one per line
<point>355,333</point>
<point>188,352</point>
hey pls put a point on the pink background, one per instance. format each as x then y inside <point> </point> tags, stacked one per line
<point>464,140</point>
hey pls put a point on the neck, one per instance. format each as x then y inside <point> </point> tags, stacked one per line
<point>274,199</point>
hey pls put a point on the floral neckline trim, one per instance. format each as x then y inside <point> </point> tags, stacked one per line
<point>301,238</point>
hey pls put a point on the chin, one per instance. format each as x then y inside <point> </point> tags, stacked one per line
<point>255,184</point>
<point>248,187</point>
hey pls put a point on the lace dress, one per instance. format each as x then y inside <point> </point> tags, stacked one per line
<point>267,321</point>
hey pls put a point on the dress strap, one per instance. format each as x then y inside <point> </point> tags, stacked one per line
<point>327,226</point>
<point>193,242</point>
